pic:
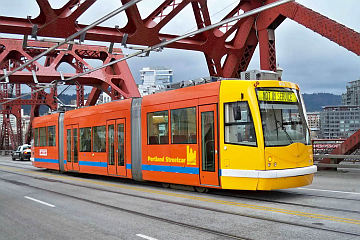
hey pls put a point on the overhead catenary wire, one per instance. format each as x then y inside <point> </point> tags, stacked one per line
<point>72,37</point>
<point>167,42</point>
<point>50,85</point>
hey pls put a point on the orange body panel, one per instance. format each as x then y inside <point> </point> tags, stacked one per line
<point>45,156</point>
<point>96,162</point>
<point>175,163</point>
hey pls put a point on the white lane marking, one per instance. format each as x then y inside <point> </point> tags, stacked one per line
<point>146,237</point>
<point>45,203</point>
<point>324,190</point>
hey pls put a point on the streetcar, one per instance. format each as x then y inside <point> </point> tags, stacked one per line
<point>229,134</point>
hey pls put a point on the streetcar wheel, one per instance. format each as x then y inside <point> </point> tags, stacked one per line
<point>201,189</point>
<point>165,185</point>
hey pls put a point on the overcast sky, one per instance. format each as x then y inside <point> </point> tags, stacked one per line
<point>312,61</point>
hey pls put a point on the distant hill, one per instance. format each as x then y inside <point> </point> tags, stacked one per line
<point>315,101</point>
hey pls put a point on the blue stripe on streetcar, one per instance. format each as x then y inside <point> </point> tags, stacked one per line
<point>46,160</point>
<point>93,164</point>
<point>173,169</point>
<point>96,164</point>
<point>156,168</point>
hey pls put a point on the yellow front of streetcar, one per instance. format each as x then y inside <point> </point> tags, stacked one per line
<point>264,138</point>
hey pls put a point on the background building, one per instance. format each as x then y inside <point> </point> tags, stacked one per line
<point>339,121</point>
<point>105,97</point>
<point>352,95</point>
<point>314,123</point>
<point>25,121</point>
<point>342,121</point>
<point>151,79</point>
<point>12,121</point>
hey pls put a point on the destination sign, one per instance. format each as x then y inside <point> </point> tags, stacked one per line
<point>276,96</point>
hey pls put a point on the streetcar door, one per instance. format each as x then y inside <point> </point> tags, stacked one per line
<point>110,133</point>
<point>120,147</point>
<point>72,145</point>
<point>209,164</point>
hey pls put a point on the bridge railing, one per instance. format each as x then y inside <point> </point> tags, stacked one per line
<point>325,146</point>
<point>322,149</point>
<point>350,161</point>
<point>5,152</point>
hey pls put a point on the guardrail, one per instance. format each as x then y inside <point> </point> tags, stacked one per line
<point>337,156</point>
<point>352,161</point>
<point>334,165</point>
<point>5,152</point>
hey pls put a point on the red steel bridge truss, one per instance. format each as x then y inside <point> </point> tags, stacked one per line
<point>228,49</point>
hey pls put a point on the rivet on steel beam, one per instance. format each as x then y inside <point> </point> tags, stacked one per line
<point>124,39</point>
<point>34,31</point>
<point>111,47</point>
<point>25,39</point>
<point>34,76</point>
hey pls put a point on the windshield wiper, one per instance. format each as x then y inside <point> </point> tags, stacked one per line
<point>276,123</point>
<point>287,134</point>
<point>279,125</point>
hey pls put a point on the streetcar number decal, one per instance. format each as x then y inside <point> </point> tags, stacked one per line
<point>275,96</point>
<point>43,152</point>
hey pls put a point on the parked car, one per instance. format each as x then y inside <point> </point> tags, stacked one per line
<point>23,152</point>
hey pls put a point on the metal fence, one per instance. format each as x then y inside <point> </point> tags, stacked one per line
<point>5,152</point>
<point>324,147</point>
<point>350,161</point>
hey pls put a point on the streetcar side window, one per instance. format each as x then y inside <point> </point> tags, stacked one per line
<point>121,144</point>
<point>36,137</point>
<point>239,126</point>
<point>99,140</point>
<point>158,127</point>
<point>183,126</point>
<point>51,136</point>
<point>111,144</point>
<point>85,139</point>
<point>42,136</point>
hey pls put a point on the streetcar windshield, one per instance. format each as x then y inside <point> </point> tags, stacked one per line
<point>282,116</point>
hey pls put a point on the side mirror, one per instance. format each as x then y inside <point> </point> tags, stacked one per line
<point>237,111</point>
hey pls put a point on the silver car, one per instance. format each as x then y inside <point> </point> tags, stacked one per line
<point>23,152</point>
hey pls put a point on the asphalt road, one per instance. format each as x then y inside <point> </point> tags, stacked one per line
<point>41,204</point>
